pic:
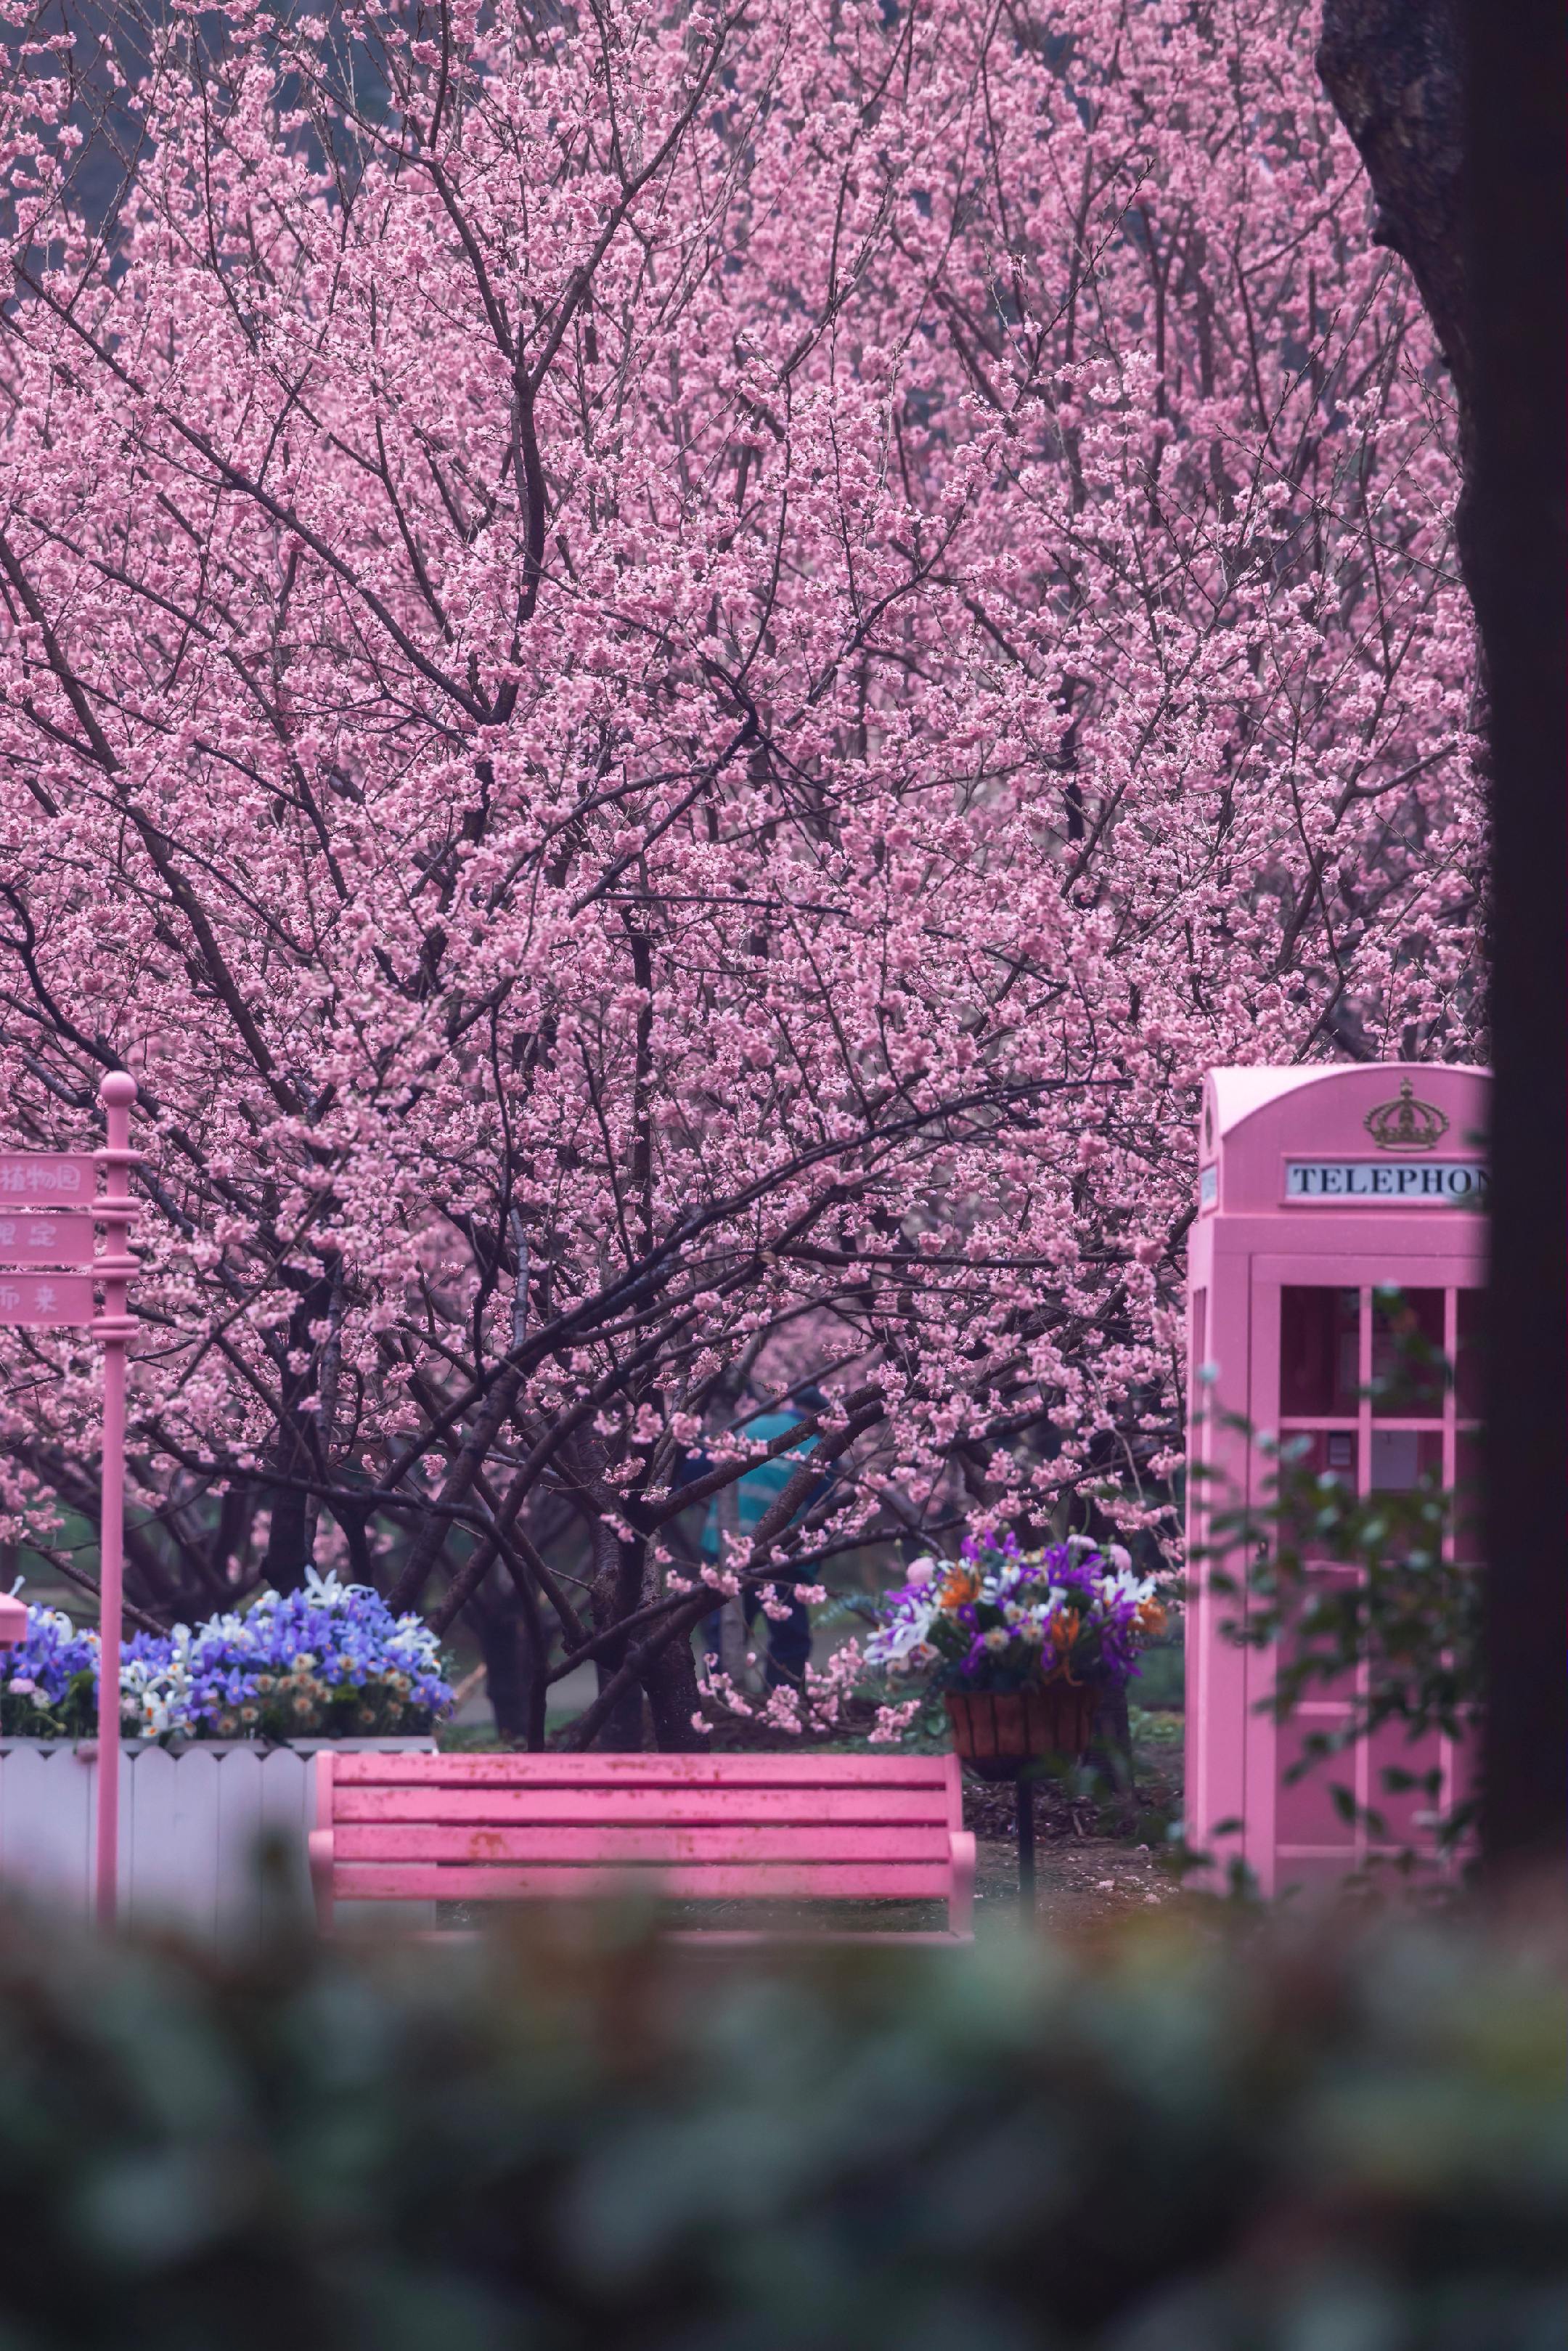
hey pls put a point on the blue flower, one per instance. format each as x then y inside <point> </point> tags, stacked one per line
<point>330,1658</point>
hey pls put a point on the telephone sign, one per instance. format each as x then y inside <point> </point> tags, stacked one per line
<point>1369,1183</point>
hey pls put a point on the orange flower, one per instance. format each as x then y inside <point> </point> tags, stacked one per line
<point>1065,1631</point>
<point>960,1585</point>
<point>1151,1618</point>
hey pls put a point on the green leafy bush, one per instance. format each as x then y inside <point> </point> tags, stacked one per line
<point>1191,2138</point>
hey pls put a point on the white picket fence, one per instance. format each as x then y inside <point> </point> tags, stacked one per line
<point>191,1826</point>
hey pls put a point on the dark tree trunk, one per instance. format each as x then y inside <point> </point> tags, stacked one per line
<point>503,1645</point>
<point>292,1537</point>
<point>1393,70</point>
<point>617,1593</point>
<point>671,1682</point>
<point>1458,110</point>
<point>626,1729</point>
<point>288,1548</point>
<point>1517,569</point>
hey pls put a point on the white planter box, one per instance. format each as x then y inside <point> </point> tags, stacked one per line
<point>189,1826</point>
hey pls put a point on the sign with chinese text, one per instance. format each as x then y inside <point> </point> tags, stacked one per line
<point>63,1180</point>
<point>45,1300</point>
<point>38,1238</point>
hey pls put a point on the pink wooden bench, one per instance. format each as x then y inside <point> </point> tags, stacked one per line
<point>699,1828</point>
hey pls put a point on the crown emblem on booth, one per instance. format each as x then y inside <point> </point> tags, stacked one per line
<point>1406,1124</point>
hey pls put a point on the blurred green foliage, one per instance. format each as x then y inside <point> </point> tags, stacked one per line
<point>1208,2136</point>
<point>1161,1681</point>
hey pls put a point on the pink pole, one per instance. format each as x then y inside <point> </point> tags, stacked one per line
<point>115,1210</point>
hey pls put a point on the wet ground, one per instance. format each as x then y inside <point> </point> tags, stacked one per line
<point>1096,1854</point>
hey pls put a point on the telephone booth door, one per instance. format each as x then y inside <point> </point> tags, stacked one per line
<point>1334,1371</point>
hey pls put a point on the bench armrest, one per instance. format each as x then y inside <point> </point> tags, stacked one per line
<point>961,1899</point>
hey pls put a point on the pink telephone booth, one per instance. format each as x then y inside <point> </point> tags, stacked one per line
<point>1322,1191</point>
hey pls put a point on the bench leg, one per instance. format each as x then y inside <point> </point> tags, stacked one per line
<point>961,1900</point>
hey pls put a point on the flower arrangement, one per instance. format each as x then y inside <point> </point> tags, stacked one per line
<point>997,1619</point>
<point>48,1682</point>
<point>328,1661</point>
<point>1000,1618</point>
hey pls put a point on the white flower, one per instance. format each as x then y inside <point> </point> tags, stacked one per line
<point>325,1591</point>
<point>1125,1586</point>
<point>893,1644</point>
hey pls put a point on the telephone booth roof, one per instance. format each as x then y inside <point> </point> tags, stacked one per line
<point>1345,1137</point>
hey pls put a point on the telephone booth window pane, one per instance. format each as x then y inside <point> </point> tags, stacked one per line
<point>1319,1352</point>
<point>1321,1594</point>
<point>1316,1454</point>
<point>1405,1811</point>
<point>1467,1355</point>
<point>1404,1458</point>
<point>1408,1364</point>
<point>1305,1810</point>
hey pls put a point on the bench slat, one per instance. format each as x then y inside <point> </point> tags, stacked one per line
<point>633,1806</point>
<point>722,1882</point>
<point>667,1771</point>
<point>766,1847</point>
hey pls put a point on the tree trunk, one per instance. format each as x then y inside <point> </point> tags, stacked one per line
<point>1517,569</point>
<point>503,1645</point>
<point>1458,110</point>
<point>1393,70</point>
<point>291,1538</point>
<point>289,1547</point>
<point>625,1732</point>
<point>671,1682</point>
<point>617,1591</point>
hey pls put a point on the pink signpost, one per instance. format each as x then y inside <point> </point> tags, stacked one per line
<point>49,1209</point>
<point>1320,1192</point>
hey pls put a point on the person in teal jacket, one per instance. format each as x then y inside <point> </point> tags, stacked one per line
<point>789,1638</point>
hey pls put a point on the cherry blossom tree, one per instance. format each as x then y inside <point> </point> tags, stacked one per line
<point>666,671</point>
